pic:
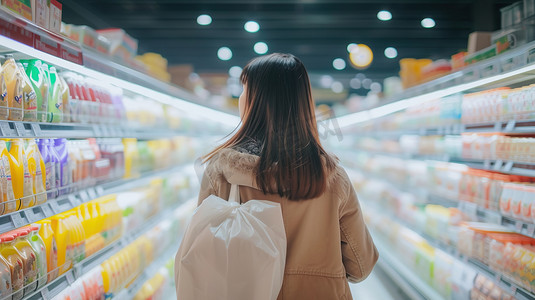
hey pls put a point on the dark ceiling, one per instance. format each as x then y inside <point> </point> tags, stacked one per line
<point>317,31</point>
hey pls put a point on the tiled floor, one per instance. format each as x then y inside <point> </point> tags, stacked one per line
<point>376,287</point>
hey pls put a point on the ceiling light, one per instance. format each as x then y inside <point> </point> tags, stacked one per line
<point>204,20</point>
<point>375,87</point>
<point>384,15</point>
<point>355,83</point>
<point>224,53</point>
<point>326,81</point>
<point>391,52</point>
<point>339,64</point>
<point>428,23</point>
<point>251,26</point>
<point>366,83</point>
<point>361,56</point>
<point>337,87</point>
<point>235,71</point>
<point>351,46</point>
<point>260,48</point>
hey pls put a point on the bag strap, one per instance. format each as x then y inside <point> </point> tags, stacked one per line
<point>234,194</point>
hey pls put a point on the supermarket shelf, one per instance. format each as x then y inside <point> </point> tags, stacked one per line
<point>510,68</point>
<point>66,202</point>
<point>55,287</point>
<point>504,282</point>
<point>410,283</point>
<point>16,129</point>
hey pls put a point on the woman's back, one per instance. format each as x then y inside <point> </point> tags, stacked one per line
<point>327,238</point>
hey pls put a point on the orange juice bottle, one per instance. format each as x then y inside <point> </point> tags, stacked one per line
<point>22,180</point>
<point>14,260</point>
<point>47,234</point>
<point>62,236</point>
<point>36,166</point>
<point>14,83</point>
<point>29,96</point>
<point>107,276</point>
<point>29,259</point>
<point>10,204</point>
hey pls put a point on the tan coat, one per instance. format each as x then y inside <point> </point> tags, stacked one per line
<point>328,242</point>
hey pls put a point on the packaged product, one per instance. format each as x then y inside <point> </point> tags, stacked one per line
<point>55,100</point>
<point>50,167</point>
<point>5,276</point>
<point>14,260</point>
<point>37,168</point>
<point>65,179</point>
<point>29,259</point>
<point>65,99</point>
<point>8,198</point>
<point>55,16</point>
<point>29,96</point>
<point>41,85</point>
<point>47,235</point>
<point>4,113</point>
<point>22,180</point>
<point>62,234</point>
<point>14,84</point>
<point>38,246</point>
<point>57,166</point>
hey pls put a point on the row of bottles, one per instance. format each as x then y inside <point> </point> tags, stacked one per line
<point>34,255</point>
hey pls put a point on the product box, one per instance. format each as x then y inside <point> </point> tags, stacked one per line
<point>122,45</point>
<point>40,13</point>
<point>478,40</point>
<point>20,7</point>
<point>55,16</point>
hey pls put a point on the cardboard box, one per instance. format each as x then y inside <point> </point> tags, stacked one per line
<point>478,40</point>
<point>22,8</point>
<point>55,16</point>
<point>40,13</point>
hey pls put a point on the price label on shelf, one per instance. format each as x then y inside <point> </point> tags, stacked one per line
<point>55,207</point>
<point>45,294</point>
<point>31,216</point>
<point>47,211</point>
<point>6,130</point>
<point>84,196</point>
<point>518,226</point>
<point>17,220</point>
<point>70,277</point>
<point>510,125</point>
<point>20,129</point>
<point>531,229</point>
<point>36,130</point>
<point>486,164</point>
<point>498,165</point>
<point>508,166</point>
<point>493,217</point>
<point>73,200</point>
<point>100,191</point>
<point>92,194</point>
<point>498,126</point>
<point>470,209</point>
<point>96,131</point>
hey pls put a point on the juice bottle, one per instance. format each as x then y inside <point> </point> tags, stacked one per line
<point>4,112</point>
<point>60,147</point>
<point>55,102</point>
<point>29,259</point>
<point>14,84</point>
<point>29,96</point>
<point>15,264</point>
<point>40,251</point>
<point>64,93</point>
<point>75,162</point>
<point>5,276</point>
<point>50,168</point>
<point>47,234</point>
<point>22,182</point>
<point>45,68</point>
<point>36,165</point>
<point>9,203</point>
<point>62,236</point>
<point>40,84</point>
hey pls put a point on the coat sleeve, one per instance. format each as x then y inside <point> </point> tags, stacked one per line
<point>207,186</point>
<point>359,254</point>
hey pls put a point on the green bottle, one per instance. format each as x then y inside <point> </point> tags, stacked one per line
<point>40,84</point>
<point>55,100</point>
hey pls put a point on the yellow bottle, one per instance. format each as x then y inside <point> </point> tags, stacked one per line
<point>4,112</point>
<point>29,259</point>
<point>106,276</point>
<point>14,83</point>
<point>62,235</point>
<point>8,199</point>
<point>22,180</point>
<point>47,234</point>
<point>15,263</point>
<point>36,165</point>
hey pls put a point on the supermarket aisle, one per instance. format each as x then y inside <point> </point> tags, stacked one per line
<point>377,286</point>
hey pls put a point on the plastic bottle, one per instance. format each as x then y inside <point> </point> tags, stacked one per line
<point>57,167</point>
<point>64,93</point>
<point>14,260</point>
<point>14,82</point>
<point>45,68</point>
<point>4,112</point>
<point>40,84</point>
<point>50,167</point>
<point>9,203</point>
<point>29,259</point>
<point>40,251</point>
<point>55,102</point>
<point>62,236</point>
<point>36,166</point>
<point>29,96</point>
<point>5,276</point>
<point>75,162</point>
<point>47,234</point>
<point>22,180</point>
<point>60,147</point>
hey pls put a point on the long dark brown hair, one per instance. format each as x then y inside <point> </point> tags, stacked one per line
<point>279,113</point>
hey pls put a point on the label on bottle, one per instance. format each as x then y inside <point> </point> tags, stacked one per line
<point>7,186</point>
<point>50,176</point>
<point>28,198</point>
<point>16,110</point>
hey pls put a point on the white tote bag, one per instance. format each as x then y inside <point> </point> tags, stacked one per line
<point>232,251</point>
